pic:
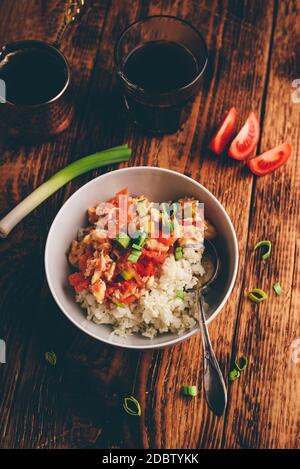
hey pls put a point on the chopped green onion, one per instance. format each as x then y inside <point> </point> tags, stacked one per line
<point>126,274</point>
<point>142,239</point>
<point>97,160</point>
<point>257,295</point>
<point>50,357</point>
<point>139,238</point>
<point>137,247</point>
<point>178,253</point>
<point>189,390</point>
<point>242,363</point>
<point>134,255</point>
<point>278,289</point>
<point>123,240</point>
<point>132,406</point>
<point>234,374</point>
<point>119,304</point>
<point>180,294</point>
<point>265,243</point>
<point>239,366</point>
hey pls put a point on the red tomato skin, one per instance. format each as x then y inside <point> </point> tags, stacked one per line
<point>270,160</point>
<point>155,256</point>
<point>78,281</point>
<point>224,133</point>
<point>238,150</point>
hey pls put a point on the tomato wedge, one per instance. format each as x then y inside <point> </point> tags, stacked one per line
<point>270,160</point>
<point>246,140</point>
<point>224,133</point>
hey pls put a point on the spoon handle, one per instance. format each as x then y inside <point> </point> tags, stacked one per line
<point>73,10</point>
<point>214,384</point>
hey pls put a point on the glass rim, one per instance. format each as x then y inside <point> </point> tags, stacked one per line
<point>55,51</point>
<point>135,87</point>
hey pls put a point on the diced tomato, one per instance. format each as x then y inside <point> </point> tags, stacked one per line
<point>224,133</point>
<point>270,160</point>
<point>145,267</point>
<point>156,256</point>
<point>128,299</point>
<point>246,140</point>
<point>78,281</point>
<point>83,261</point>
<point>167,241</point>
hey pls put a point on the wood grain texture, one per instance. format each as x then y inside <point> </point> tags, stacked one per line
<point>270,418</point>
<point>79,402</point>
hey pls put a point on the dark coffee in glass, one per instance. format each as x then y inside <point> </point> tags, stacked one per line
<point>160,61</point>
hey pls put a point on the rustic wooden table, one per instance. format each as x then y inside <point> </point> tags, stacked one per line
<point>253,60</point>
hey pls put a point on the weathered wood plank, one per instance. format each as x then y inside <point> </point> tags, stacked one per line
<point>265,406</point>
<point>27,406</point>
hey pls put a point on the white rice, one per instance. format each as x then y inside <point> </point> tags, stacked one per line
<point>159,310</point>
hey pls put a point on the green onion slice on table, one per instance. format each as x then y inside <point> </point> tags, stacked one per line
<point>277,288</point>
<point>266,244</point>
<point>257,295</point>
<point>132,406</point>
<point>58,180</point>
<point>234,374</point>
<point>242,363</point>
<point>50,357</point>
<point>191,391</point>
<point>239,366</point>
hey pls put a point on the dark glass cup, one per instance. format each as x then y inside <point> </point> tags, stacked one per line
<point>180,53</point>
<point>45,117</point>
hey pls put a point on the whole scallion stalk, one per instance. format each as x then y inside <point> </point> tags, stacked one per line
<point>97,160</point>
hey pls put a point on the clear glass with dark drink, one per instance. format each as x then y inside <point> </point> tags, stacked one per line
<point>160,61</point>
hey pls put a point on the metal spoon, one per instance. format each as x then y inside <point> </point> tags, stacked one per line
<point>214,384</point>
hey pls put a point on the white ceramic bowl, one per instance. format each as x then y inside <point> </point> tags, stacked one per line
<point>159,185</point>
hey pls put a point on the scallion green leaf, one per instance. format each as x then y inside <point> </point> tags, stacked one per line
<point>132,406</point>
<point>58,180</point>
<point>191,391</point>
<point>119,304</point>
<point>242,363</point>
<point>257,295</point>
<point>126,274</point>
<point>123,240</point>
<point>180,294</point>
<point>178,253</point>
<point>234,374</point>
<point>278,289</point>
<point>51,358</point>
<point>264,244</point>
<point>134,255</point>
